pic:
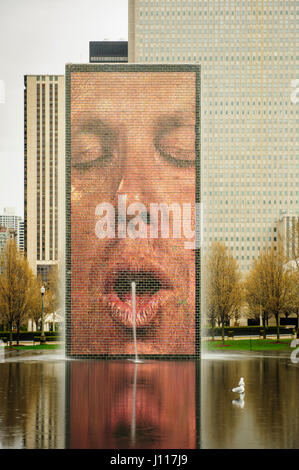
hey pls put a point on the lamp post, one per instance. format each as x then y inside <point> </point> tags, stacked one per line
<point>42,336</point>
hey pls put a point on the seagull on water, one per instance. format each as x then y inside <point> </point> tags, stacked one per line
<point>240,388</point>
<point>239,402</point>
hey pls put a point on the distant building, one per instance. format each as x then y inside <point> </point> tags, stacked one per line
<point>288,234</point>
<point>44,171</point>
<point>20,235</point>
<point>9,211</point>
<point>6,234</point>
<point>14,222</point>
<point>108,51</point>
<point>9,218</point>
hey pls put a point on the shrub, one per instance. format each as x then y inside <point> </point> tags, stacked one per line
<point>245,330</point>
<point>29,335</point>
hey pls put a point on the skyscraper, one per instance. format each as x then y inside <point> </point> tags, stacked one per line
<point>248,138</point>
<point>44,171</point>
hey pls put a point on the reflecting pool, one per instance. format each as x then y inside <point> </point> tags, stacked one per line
<point>49,402</point>
<point>32,407</point>
<point>121,405</point>
<point>268,415</point>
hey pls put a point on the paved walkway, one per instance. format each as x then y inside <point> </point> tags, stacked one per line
<point>218,338</point>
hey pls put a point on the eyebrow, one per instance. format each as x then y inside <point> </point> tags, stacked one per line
<point>163,125</point>
<point>96,127</point>
<point>168,122</point>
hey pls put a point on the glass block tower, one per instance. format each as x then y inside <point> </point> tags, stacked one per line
<point>250,159</point>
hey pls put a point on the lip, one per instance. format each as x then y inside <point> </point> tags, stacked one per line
<point>148,304</point>
<point>147,412</point>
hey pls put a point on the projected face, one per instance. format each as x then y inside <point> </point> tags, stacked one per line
<point>132,211</point>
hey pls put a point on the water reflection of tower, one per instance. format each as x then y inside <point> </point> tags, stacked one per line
<point>23,408</point>
<point>44,427</point>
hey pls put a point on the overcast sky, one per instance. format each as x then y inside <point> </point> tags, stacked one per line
<point>39,37</point>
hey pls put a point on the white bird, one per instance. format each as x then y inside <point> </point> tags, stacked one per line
<point>241,387</point>
<point>239,402</point>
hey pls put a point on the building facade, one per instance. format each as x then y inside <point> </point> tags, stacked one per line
<point>20,234</point>
<point>9,218</point>
<point>108,51</point>
<point>44,171</point>
<point>249,149</point>
<point>5,235</point>
<point>288,234</point>
<point>15,222</point>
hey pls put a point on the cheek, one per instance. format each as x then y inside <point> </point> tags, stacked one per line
<point>186,183</point>
<point>95,186</point>
<point>76,194</point>
<point>178,184</point>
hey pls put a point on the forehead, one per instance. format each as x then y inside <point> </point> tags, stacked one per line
<point>129,92</point>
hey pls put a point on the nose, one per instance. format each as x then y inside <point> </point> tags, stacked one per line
<point>135,184</point>
<point>136,179</point>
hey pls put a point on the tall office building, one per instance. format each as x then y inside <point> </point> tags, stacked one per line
<point>44,171</point>
<point>247,49</point>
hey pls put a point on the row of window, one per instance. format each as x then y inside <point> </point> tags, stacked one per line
<point>44,77</point>
<point>205,11</point>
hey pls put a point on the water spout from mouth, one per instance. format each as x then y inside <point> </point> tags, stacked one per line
<point>133,285</point>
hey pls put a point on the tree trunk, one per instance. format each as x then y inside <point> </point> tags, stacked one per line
<point>223,331</point>
<point>277,325</point>
<point>18,333</point>
<point>264,326</point>
<point>213,329</point>
<point>10,334</point>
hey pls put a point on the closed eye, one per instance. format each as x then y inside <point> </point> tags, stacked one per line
<point>177,146</point>
<point>91,157</point>
<point>94,146</point>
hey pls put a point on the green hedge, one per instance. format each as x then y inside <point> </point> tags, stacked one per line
<point>246,330</point>
<point>48,338</point>
<point>29,335</point>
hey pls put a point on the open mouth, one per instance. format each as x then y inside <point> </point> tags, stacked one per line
<point>151,291</point>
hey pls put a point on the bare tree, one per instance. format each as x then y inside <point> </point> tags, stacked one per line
<point>36,304</point>
<point>17,287</point>
<point>294,237</point>
<point>270,286</point>
<point>52,295</point>
<point>222,288</point>
<point>294,242</point>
